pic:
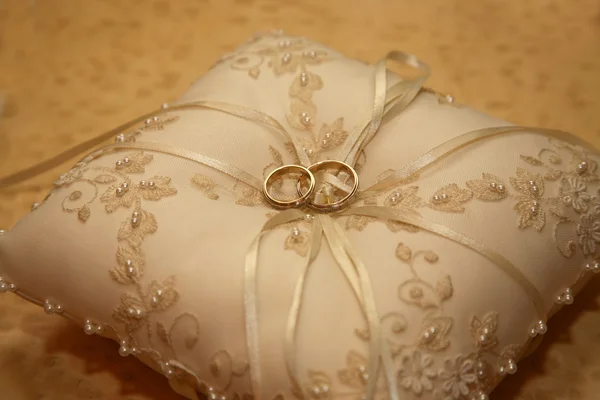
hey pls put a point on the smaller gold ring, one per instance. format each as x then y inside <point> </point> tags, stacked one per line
<point>282,171</point>
<point>343,201</point>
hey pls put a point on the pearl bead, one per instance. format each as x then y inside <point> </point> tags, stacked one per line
<point>119,191</point>
<point>436,198</point>
<point>582,167</point>
<point>568,299</point>
<point>444,196</point>
<point>151,184</point>
<point>450,99</point>
<point>500,189</point>
<point>511,367</point>
<point>142,183</point>
<point>324,142</point>
<point>303,79</point>
<point>305,118</point>
<point>126,160</point>
<point>309,217</point>
<point>125,185</point>
<point>155,118</point>
<point>135,221</point>
<point>502,371</point>
<point>123,351</point>
<point>119,163</point>
<point>120,138</point>
<point>164,105</point>
<point>295,232</point>
<point>532,332</point>
<point>429,334</point>
<point>480,396</point>
<point>534,189</point>
<point>493,185</point>
<point>34,206</point>
<point>532,183</point>
<point>287,57</point>
<point>6,287</point>
<point>148,121</point>
<point>541,327</point>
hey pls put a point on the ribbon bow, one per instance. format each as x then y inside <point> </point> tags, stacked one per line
<point>396,97</point>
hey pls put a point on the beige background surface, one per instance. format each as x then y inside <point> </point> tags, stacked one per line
<point>70,69</point>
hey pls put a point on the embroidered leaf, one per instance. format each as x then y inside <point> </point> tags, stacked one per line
<point>555,159</point>
<point>130,266</point>
<point>162,295</point>
<point>531,160</point>
<point>254,72</point>
<point>444,288</point>
<point>527,217</point>
<point>131,312</point>
<point>490,188</point>
<point>205,184</point>
<point>158,123</point>
<point>332,136</point>
<point>403,252</point>
<point>162,334</point>
<point>160,189</point>
<point>277,157</point>
<point>434,333</point>
<point>114,201</point>
<point>351,375</point>
<point>512,351</point>
<point>397,226</point>
<point>251,197</point>
<point>450,198</point>
<point>297,241</point>
<point>304,88</point>
<point>135,233</point>
<point>418,293</point>
<point>76,195</point>
<point>405,199</point>
<point>522,183</point>
<point>104,178</point>
<point>483,331</point>
<point>358,222</point>
<point>84,213</point>
<point>187,324</point>
<point>318,378</point>
<point>553,174</point>
<point>136,164</point>
<point>431,257</point>
<point>299,108</point>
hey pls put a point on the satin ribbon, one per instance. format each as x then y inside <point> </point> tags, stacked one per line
<point>386,99</point>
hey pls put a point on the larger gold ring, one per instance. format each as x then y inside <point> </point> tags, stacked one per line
<point>339,204</point>
<point>286,169</point>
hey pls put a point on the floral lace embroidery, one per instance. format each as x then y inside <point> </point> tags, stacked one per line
<point>533,204</point>
<point>412,348</point>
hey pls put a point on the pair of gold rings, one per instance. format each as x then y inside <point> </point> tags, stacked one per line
<point>306,186</point>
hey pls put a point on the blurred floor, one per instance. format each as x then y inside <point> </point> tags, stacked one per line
<point>70,69</point>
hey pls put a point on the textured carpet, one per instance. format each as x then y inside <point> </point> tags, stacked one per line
<point>70,69</point>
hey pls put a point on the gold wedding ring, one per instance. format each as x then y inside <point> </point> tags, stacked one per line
<point>289,169</point>
<point>339,204</point>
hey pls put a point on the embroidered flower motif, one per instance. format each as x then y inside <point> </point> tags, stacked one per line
<point>158,123</point>
<point>458,375</point>
<point>588,232</point>
<point>574,193</point>
<point>415,374</point>
<point>582,166</point>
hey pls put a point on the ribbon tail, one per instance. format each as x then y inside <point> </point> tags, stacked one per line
<point>251,296</point>
<point>351,265</point>
<point>296,308</point>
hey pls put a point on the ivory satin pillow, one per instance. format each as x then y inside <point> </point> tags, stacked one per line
<point>441,280</point>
